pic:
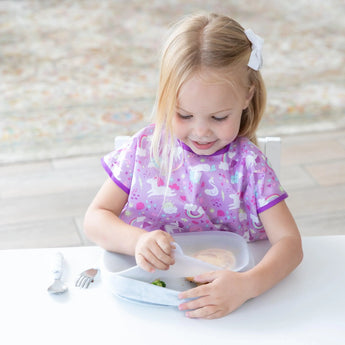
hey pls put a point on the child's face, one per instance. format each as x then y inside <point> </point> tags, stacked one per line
<point>208,115</point>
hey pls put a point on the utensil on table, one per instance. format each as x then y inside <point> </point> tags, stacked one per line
<point>86,278</point>
<point>58,286</point>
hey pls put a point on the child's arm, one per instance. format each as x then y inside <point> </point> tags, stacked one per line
<point>103,226</point>
<point>286,252</point>
<point>228,290</point>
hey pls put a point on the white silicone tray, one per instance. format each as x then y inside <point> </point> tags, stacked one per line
<point>129,281</point>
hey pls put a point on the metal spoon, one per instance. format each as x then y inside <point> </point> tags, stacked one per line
<point>58,286</point>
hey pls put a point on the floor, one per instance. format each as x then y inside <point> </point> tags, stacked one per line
<point>42,204</point>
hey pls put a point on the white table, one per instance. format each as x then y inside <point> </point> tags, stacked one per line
<point>308,307</point>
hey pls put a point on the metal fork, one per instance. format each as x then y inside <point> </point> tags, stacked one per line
<point>86,278</point>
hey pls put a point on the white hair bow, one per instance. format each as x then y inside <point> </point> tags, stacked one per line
<point>255,60</point>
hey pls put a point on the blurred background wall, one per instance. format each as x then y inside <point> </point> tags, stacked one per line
<point>75,73</point>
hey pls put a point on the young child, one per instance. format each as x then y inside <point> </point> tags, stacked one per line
<point>197,168</point>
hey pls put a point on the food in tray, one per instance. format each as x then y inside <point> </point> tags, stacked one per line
<point>217,257</point>
<point>159,282</point>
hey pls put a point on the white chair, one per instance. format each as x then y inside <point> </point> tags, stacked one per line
<point>270,146</point>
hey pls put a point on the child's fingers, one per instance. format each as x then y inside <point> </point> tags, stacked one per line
<point>199,291</point>
<point>143,263</point>
<point>153,258</point>
<point>164,241</point>
<point>205,277</point>
<point>161,258</point>
<point>154,250</point>
<point>163,249</point>
<point>199,308</point>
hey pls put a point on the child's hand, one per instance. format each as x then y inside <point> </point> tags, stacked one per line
<point>154,251</point>
<point>225,292</point>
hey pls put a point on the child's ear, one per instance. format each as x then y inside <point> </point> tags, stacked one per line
<point>249,97</point>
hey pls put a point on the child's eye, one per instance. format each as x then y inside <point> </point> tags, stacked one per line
<point>184,117</point>
<point>220,118</point>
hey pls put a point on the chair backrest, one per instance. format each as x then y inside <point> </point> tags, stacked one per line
<point>270,146</point>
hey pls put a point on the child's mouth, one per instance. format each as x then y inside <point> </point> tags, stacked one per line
<point>203,146</point>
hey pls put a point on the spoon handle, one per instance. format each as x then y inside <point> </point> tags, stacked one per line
<point>57,265</point>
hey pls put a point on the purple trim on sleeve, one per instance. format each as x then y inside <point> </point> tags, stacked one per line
<point>110,173</point>
<point>272,203</point>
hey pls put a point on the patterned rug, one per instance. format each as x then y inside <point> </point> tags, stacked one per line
<point>76,73</point>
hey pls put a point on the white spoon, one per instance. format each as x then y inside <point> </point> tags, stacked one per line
<point>58,286</point>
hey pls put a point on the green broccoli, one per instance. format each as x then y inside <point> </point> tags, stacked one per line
<point>159,283</point>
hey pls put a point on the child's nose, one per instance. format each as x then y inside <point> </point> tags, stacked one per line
<point>202,130</point>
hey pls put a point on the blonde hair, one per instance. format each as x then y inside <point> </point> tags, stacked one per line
<point>202,41</point>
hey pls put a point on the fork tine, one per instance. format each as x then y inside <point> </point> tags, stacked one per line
<point>85,282</point>
<point>86,278</point>
<point>80,281</point>
<point>77,283</point>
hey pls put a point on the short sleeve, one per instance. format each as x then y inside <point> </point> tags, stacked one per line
<point>261,191</point>
<point>119,164</point>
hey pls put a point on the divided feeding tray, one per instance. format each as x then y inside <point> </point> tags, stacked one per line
<point>127,280</point>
